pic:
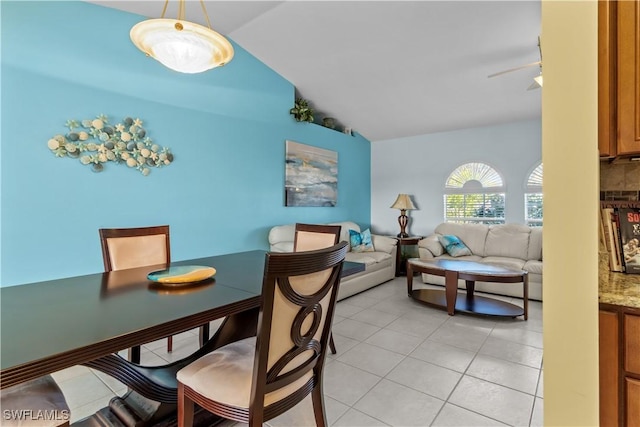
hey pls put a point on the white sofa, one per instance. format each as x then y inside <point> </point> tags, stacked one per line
<point>513,246</point>
<point>380,265</point>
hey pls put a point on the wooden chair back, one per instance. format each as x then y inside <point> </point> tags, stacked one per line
<point>135,247</point>
<point>124,248</point>
<point>309,237</point>
<point>299,295</point>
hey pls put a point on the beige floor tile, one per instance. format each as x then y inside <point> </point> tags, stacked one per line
<point>513,352</point>
<point>354,329</point>
<point>502,372</point>
<point>394,341</point>
<point>354,418</point>
<point>444,355</point>
<point>375,317</point>
<point>398,405</point>
<point>347,384</point>
<point>454,416</point>
<point>425,377</point>
<point>494,401</point>
<point>375,360</point>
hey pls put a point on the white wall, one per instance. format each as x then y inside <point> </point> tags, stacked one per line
<point>420,165</point>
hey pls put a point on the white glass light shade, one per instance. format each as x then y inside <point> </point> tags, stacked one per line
<point>182,45</point>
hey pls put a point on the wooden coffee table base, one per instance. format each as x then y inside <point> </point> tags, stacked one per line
<point>470,272</point>
<point>474,305</point>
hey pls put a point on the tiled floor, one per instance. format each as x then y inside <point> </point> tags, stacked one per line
<point>399,363</point>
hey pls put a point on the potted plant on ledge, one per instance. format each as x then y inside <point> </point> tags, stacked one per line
<point>301,111</point>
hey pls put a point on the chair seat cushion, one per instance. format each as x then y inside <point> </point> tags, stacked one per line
<point>225,376</point>
<point>42,397</point>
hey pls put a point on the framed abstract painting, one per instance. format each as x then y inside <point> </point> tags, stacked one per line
<point>311,175</point>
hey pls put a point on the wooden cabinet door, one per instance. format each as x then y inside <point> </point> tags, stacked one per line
<point>628,76</point>
<point>632,343</point>
<point>606,78</point>
<point>609,368</point>
<point>633,402</point>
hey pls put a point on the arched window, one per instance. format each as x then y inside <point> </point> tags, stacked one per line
<point>533,198</point>
<point>474,193</point>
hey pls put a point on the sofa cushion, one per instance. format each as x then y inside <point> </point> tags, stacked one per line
<point>383,243</point>
<point>432,243</point>
<point>506,262</point>
<point>361,242</point>
<point>507,240</point>
<point>533,266</point>
<point>454,246</point>
<point>473,235</point>
<point>535,244</point>
<point>367,258</point>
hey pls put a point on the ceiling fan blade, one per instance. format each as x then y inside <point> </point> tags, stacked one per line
<point>515,69</point>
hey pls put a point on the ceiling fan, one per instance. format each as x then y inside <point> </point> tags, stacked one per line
<point>537,81</point>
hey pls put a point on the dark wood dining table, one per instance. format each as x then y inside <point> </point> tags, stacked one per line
<point>85,320</point>
<point>52,325</point>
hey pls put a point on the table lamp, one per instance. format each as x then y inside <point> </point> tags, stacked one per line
<point>403,202</point>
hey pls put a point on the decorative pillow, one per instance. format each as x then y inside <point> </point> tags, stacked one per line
<point>453,245</point>
<point>361,242</point>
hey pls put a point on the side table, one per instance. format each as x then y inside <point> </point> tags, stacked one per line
<point>401,259</point>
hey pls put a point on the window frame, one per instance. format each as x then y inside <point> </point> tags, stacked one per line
<point>492,187</point>
<point>533,187</point>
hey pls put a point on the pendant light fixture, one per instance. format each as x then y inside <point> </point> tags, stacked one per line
<point>181,45</point>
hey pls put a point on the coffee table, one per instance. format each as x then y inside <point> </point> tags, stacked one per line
<point>470,272</point>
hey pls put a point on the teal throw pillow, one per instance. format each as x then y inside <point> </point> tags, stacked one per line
<point>454,246</point>
<point>361,242</point>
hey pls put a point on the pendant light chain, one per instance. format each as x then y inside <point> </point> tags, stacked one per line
<point>164,9</point>
<point>181,10</point>
<point>206,15</point>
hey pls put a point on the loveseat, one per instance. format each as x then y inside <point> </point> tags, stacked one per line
<point>512,246</point>
<point>380,264</point>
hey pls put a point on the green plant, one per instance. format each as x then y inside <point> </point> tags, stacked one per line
<point>301,111</point>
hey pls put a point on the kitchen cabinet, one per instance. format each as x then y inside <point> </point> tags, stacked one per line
<point>619,337</point>
<point>609,370</point>
<point>619,78</point>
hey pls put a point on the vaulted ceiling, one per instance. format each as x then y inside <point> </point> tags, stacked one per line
<point>388,69</point>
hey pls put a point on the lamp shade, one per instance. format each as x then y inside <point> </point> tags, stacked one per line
<point>182,45</point>
<point>403,202</point>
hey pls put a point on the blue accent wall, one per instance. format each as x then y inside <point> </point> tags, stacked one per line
<point>226,127</point>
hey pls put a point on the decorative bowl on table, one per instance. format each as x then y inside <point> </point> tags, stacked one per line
<point>182,275</point>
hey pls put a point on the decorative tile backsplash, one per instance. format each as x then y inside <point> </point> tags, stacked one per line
<point>620,181</point>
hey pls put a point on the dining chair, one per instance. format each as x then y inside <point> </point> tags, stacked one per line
<point>124,248</point>
<point>316,236</point>
<point>256,379</point>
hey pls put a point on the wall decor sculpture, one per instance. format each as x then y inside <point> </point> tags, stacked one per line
<point>311,175</point>
<point>95,142</point>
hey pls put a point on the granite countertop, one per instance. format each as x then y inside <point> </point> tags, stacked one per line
<point>618,288</point>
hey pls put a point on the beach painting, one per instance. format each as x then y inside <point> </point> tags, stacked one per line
<point>311,175</point>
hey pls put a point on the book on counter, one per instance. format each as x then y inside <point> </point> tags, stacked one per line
<point>628,223</point>
<point>609,235</point>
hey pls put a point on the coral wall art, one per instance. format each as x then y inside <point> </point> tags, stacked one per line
<point>96,141</point>
<point>311,176</point>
